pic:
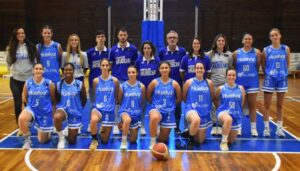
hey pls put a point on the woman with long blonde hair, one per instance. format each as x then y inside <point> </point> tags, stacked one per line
<point>74,55</point>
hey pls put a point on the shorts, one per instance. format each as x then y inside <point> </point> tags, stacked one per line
<point>251,84</point>
<point>42,122</point>
<point>73,117</point>
<point>135,120</point>
<point>205,120</point>
<point>108,118</point>
<point>272,84</point>
<point>167,119</point>
<point>236,122</point>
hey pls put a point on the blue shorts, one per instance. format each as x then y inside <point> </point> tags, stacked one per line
<point>73,117</point>
<point>135,120</point>
<point>108,118</point>
<point>272,84</point>
<point>250,86</point>
<point>205,120</point>
<point>42,121</point>
<point>167,119</point>
<point>236,121</point>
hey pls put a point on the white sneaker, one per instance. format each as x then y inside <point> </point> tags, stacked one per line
<point>89,128</point>
<point>267,132</point>
<point>27,144</point>
<point>61,143</point>
<point>214,130</point>
<point>152,143</point>
<point>239,131</point>
<point>219,130</point>
<point>66,131</point>
<point>142,131</point>
<point>123,145</point>
<point>280,132</point>
<point>116,130</point>
<point>254,132</point>
<point>224,146</point>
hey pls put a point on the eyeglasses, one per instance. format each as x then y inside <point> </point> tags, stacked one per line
<point>172,37</point>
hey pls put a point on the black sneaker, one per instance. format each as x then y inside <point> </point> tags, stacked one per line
<point>177,130</point>
<point>190,145</point>
<point>180,145</point>
<point>185,133</point>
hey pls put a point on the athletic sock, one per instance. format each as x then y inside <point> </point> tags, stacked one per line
<point>253,125</point>
<point>224,138</point>
<point>266,123</point>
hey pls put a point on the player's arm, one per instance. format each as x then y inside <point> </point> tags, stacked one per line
<point>288,57</point>
<point>259,58</point>
<point>150,89</point>
<point>211,89</point>
<point>263,61</point>
<point>117,87</point>
<point>178,91</point>
<point>83,95</point>
<point>52,94</point>
<point>24,95</point>
<point>120,94</point>
<point>217,97</point>
<point>143,92</point>
<point>185,88</point>
<point>243,94</point>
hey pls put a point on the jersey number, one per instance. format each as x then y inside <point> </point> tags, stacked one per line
<point>231,105</point>
<point>277,65</point>
<point>245,67</point>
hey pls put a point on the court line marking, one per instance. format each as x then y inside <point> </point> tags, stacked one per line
<point>294,136</point>
<point>135,150</point>
<point>148,138</point>
<point>4,138</point>
<point>6,100</point>
<point>27,160</point>
<point>278,162</point>
<point>291,98</point>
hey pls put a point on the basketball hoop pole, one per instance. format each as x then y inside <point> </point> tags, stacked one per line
<point>109,22</point>
<point>197,4</point>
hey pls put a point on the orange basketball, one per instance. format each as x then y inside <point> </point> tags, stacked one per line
<point>160,151</point>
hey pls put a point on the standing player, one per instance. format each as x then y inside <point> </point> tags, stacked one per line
<point>229,100</point>
<point>121,57</point>
<point>173,54</point>
<point>198,94</point>
<point>163,93</point>
<point>195,55</point>
<point>71,98</point>
<point>21,55</point>
<point>221,59</point>
<point>147,67</point>
<point>131,95</point>
<point>106,88</point>
<point>275,64</point>
<point>39,95</point>
<point>50,53</point>
<point>247,62</point>
<point>75,56</point>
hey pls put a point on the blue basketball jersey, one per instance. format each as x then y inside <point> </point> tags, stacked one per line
<point>49,57</point>
<point>132,98</point>
<point>198,96</point>
<point>276,64</point>
<point>70,96</point>
<point>39,98</point>
<point>164,96</point>
<point>246,67</point>
<point>105,95</point>
<point>231,101</point>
